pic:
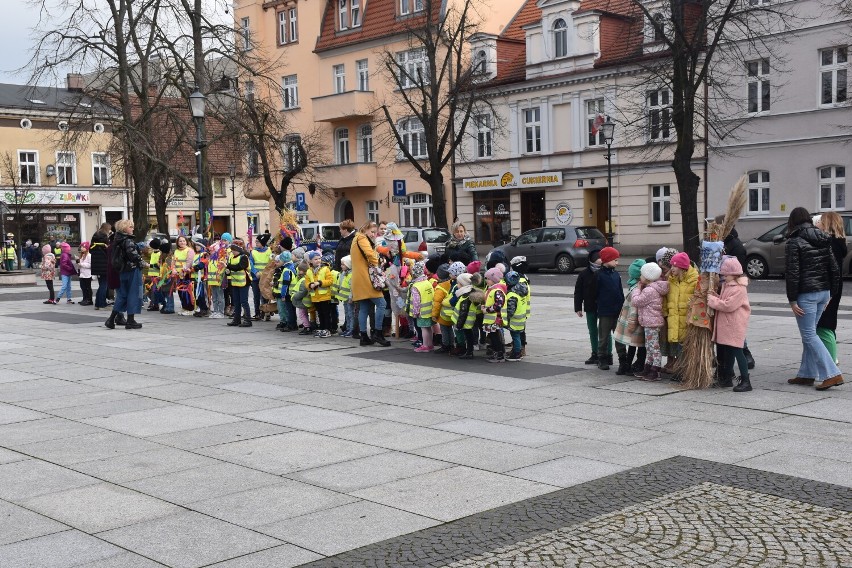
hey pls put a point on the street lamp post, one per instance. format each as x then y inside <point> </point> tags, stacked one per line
<point>232,173</point>
<point>196,107</point>
<point>608,130</point>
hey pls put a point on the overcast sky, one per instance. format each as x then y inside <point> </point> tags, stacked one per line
<point>17,20</point>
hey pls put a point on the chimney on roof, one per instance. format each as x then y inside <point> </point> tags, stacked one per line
<point>74,82</point>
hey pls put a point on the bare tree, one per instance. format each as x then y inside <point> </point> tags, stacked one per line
<point>435,87</point>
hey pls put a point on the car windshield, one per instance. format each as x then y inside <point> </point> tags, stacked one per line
<point>435,236</point>
<point>771,234</point>
<point>528,237</point>
<point>589,233</point>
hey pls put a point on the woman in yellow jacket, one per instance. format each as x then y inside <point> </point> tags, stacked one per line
<point>682,280</point>
<point>318,282</point>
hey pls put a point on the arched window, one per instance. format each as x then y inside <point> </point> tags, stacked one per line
<point>659,27</point>
<point>560,38</point>
<point>365,143</point>
<point>341,145</point>
<point>417,212</point>
<point>413,137</point>
<point>480,62</point>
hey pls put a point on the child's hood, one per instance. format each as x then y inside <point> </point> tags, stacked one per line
<point>477,296</point>
<point>520,289</point>
<point>661,286</point>
<point>740,281</point>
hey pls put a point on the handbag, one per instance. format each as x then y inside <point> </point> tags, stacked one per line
<point>377,277</point>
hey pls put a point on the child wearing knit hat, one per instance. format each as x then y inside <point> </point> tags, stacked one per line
<point>682,278</point>
<point>648,299</point>
<point>731,322</point>
<point>467,299</point>
<point>492,321</point>
<point>610,297</point>
<point>418,306</point>
<point>628,331</point>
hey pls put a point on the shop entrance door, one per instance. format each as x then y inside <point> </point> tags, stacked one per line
<point>112,217</point>
<point>533,215</point>
<point>220,224</point>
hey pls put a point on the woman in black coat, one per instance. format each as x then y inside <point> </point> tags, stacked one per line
<point>100,261</point>
<point>832,224</point>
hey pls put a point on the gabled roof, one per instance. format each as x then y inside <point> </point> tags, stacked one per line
<point>512,44</point>
<point>379,20</point>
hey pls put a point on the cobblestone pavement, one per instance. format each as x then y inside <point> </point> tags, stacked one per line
<point>189,444</point>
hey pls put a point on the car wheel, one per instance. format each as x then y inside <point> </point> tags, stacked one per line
<point>756,267</point>
<point>564,264</point>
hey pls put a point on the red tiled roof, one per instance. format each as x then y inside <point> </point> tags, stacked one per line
<point>621,29</point>
<point>511,61</point>
<point>379,20</point>
<point>529,13</point>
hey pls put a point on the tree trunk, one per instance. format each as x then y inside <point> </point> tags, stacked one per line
<point>687,185</point>
<point>439,200</point>
<point>141,192</point>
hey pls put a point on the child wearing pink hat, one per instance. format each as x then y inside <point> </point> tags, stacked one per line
<point>731,322</point>
<point>492,322</point>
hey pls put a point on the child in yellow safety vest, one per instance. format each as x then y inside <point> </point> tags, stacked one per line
<point>328,261</point>
<point>492,320</point>
<point>215,272</point>
<point>418,305</point>
<point>282,279</point>
<point>152,276</point>
<point>517,310</point>
<point>441,309</point>
<point>301,299</point>
<point>318,283</point>
<point>466,310</point>
<point>343,294</point>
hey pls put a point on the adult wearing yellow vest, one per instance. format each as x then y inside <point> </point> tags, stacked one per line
<point>238,274</point>
<point>260,257</point>
<point>421,296</point>
<point>9,254</point>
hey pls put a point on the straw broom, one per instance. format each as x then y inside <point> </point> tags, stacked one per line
<point>696,363</point>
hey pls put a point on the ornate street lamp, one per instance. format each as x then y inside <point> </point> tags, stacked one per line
<point>608,130</point>
<point>232,173</point>
<point>196,106</point>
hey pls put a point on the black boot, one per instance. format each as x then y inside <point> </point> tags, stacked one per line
<point>726,379</point>
<point>119,319</point>
<point>234,322</point>
<point>743,384</point>
<point>110,323</point>
<point>379,339</point>
<point>365,339</point>
<point>749,359</point>
<point>623,365</point>
<point>246,322</point>
<point>593,360</point>
<point>468,352</point>
<point>131,322</point>
<point>603,363</point>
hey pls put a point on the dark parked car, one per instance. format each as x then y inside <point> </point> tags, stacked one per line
<point>766,254</point>
<point>562,248</point>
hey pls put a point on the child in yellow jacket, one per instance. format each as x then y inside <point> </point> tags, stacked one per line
<point>682,280</point>
<point>318,281</point>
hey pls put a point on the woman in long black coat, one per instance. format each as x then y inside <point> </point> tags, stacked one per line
<point>100,262</point>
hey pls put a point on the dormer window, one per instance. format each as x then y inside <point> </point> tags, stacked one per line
<point>560,38</point>
<point>348,14</point>
<point>480,62</point>
<point>659,27</point>
<point>407,7</point>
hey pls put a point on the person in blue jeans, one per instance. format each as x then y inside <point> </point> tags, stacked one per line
<point>128,263</point>
<point>812,278</point>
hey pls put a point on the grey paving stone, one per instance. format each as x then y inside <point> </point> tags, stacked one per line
<point>10,414</point>
<point>95,397</point>
<point>294,451</point>
<point>257,388</point>
<point>386,395</point>
<point>264,505</point>
<point>511,399</point>
<point>42,388</point>
<point>832,408</point>
<point>29,478</point>
<point>393,436</point>
<point>128,382</point>
<point>571,392</point>
<point>706,410</point>
<point>718,449</point>
<point>8,456</point>
<point>367,377</point>
<point>631,455</point>
<point>703,429</point>
<point>613,415</point>
<point>437,388</point>
<point>17,523</point>
<point>152,422</point>
<point>143,464</point>
<point>176,391</point>
<point>126,560</point>
<point>472,409</point>
<point>489,455</point>
<point>99,507</point>
<point>800,465</point>
<point>202,483</point>
<point>483,381</point>
<point>586,428</point>
<point>366,472</point>
<point>501,432</point>
<point>284,556</point>
<point>405,415</point>
<point>14,376</point>
<point>88,447</point>
<point>216,435</point>
<point>329,401</point>
<point>758,399</point>
<point>58,550</point>
<point>807,445</point>
<point>347,527</point>
<point>233,403</point>
<point>308,418</point>
<point>567,471</point>
<point>807,426</point>
<point>40,430</point>
<point>116,407</point>
<point>188,540</point>
<point>453,493</point>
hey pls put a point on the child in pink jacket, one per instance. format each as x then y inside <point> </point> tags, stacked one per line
<point>729,330</point>
<point>647,297</point>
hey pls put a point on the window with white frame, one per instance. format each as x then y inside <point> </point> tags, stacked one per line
<point>480,62</point>
<point>832,188</point>
<point>355,13</point>
<point>560,38</point>
<point>595,117</point>
<point>365,143</point>
<point>483,135</point>
<point>532,130</point>
<point>253,222</point>
<point>341,145</point>
<point>659,30</point>
<point>339,72</point>
<point>66,170</point>
<point>178,188</point>
<point>411,67</point>
<point>410,7</point>
<point>294,28</point>
<point>758,86</point>
<point>292,152</point>
<point>659,114</point>
<point>661,205</point>
<point>833,66</point>
<point>245,33</point>
<point>219,187</point>
<point>363,69</point>
<point>758,193</point>
<point>290,91</point>
<point>28,166</point>
<point>282,27</point>
<point>417,212</point>
<point>101,174</point>
<point>413,137</point>
<point>373,211</point>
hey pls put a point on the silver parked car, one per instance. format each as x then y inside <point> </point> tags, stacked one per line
<point>562,248</point>
<point>766,254</point>
<point>432,240</point>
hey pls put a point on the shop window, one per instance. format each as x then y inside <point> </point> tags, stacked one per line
<point>492,217</point>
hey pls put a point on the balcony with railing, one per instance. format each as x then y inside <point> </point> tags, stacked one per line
<point>342,176</point>
<point>342,106</point>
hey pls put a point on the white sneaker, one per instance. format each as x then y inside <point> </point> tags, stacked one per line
<point>186,312</point>
<point>217,315</point>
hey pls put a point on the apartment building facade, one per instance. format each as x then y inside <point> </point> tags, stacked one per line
<point>333,82</point>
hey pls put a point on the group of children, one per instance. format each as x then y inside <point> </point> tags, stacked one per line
<point>60,257</point>
<point>650,321</point>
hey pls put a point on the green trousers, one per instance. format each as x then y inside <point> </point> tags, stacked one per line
<point>829,339</point>
<point>592,324</point>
